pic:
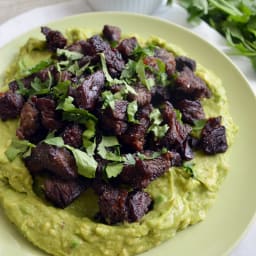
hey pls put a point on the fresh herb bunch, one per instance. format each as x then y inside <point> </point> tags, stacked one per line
<point>234,19</point>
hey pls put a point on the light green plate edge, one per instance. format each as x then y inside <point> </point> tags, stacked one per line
<point>235,206</point>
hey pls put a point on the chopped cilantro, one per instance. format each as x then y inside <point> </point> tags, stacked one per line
<point>70,55</point>
<point>156,121</point>
<point>72,113</point>
<point>188,168</point>
<point>18,147</point>
<point>197,128</point>
<point>38,67</point>
<point>113,169</point>
<point>131,111</point>
<point>88,135</point>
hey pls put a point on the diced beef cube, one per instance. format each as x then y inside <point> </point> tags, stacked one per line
<point>183,61</point>
<point>145,171</point>
<point>62,193</point>
<point>191,111</point>
<point>134,137</point>
<point>95,45</point>
<point>114,61</point>
<point>127,46</point>
<point>168,58</point>
<point>111,33</point>
<point>119,205</point>
<point>213,137</point>
<point>49,117</point>
<point>114,121</point>
<point>58,161</point>
<point>190,86</point>
<point>87,94</point>
<point>29,120</point>
<point>72,135</point>
<point>112,205</point>
<point>77,46</point>
<point>54,39</point>
<point>177,132</point>
<point>10,105</point>
<point>138,204</point>
<point>160,94</point>
<point>142,96</point>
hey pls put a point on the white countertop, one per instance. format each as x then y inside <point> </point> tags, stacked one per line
<point>9,21</point>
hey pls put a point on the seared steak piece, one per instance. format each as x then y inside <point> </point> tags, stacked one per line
<point>183,61</point>
<point>160,94</point>
<point>213,137</point>
<point>54,39</point>
<point>62,193</point>
<point>177,132</point>
<point>145,171</point>
<point>168,59</point>
<point>29,120</point>
<point>11,104</point>
<point>58,161</point>
<point>119,205</point>
<point>72,135</point>
<point>134,137</point>
<point>87,94</point>
<point>114,121</point>
<point>190,86</point>
<point>127,46</point>
<point>77,46</point>
<point>49,117</point>
<point>138,204</point>
<point>114,61</point>
<point>142,96</point>
<point>112,33</point>
<point>95,45</point>
<point>191,111</point>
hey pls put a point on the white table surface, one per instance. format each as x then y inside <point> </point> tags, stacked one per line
<point>9,9</point>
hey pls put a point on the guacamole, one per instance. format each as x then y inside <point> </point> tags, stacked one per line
<point>179,199</point>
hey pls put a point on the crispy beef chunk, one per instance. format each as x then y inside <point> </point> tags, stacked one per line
<point>213,137</point>
<point>11,104</point>
<point>78,46</point>
<point>191,111</point>
<point>177,132</point>
<point>29,120</point>
<point>62,193</point>
<point>112,33</point>
<point>95,45</point>
<point>142,96</point>
<point>112,205</point>
<point>114,121</point>
<point>189,86</point>
<point>134,137</point>
<point>58,161</point>
<point>145,171</point>
<point>87,94</point>
<point>49,117</point>
<point>119,205</point>
<point>160,94</point>
<point>127,46</point>
<point>114,61</point>
<point>168,59</point>
<point>54,39</point>
<point>72,135</point>
<point>13,85</point>
<point>183,61</point>
<point>138,204</point>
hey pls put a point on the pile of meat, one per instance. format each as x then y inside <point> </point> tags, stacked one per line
<point>121,198</point>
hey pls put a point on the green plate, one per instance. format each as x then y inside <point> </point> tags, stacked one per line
<point>236,205</point>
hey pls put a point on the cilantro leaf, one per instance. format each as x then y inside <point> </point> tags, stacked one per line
<point>197,128</point>
<point>86,164</point>
<point>70,55</point>
<point>72,113</point>
<point>113,169</point>
<point>188,168</point>
<point>18,147</point>
<point>38,67</point>
<point>132,109</point>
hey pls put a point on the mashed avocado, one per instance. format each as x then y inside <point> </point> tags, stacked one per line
<point>180,200</point>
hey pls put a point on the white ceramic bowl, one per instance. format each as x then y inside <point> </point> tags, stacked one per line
<point>139,6</point>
